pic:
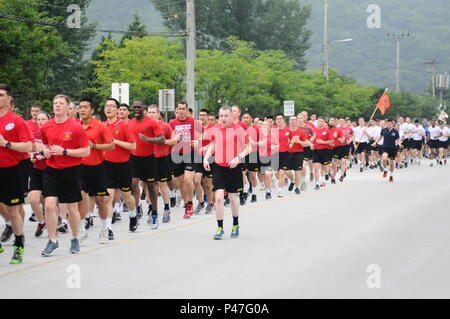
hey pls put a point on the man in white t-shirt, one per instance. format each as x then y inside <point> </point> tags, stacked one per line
<point>443,143</point>
<point>433,143</point>
<point>404,137</point>
<point>418,139</point>
<point>361,141</point>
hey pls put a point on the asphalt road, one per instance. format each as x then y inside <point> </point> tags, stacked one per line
<point>364,238</point>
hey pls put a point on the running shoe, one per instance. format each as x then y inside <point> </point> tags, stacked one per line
<point>235,231</point>
<point>7,233</point>
<point>254,199</point>
<point>87,223</point>
<point>219,234</point>
<point>166,216</point>
<point>341,179</point>
<point>297,191</point>
<point>209,209</point>
<point>188,211</point>
<point>103,236</point>
<point>384,174</point>
<point>82,234</point>
<point>125,209</point>
<point>39,230</point>
<point>114,218</point>
<point>142,195</point>
<point>268,196</point>
<point>333,181</point>
<point>241,199</point>
<point>317,187</point>
<point>361,169</point>
<point>1,249</point>
<point>33,218</point>
<point>303,186</point>
<point>311,177</point>
<point>63,228</point>
<point>227,201</point>
<point>199,208</point>
<point>134,225</point>
<point>154,224</point>
<point>391,179</point>
<point>118,216</point>
<point>110,234</point>
<point>139,212</point>
<point>327,177</point>
<point>279,194</point>
<point>17,255</point>
<point>291,187</point>
<point>51,247</point>
<point>173,202</point>
<point>74,246</point>
<point>323,185</point>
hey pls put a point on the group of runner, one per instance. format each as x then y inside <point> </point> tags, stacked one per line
<point>72,162</point>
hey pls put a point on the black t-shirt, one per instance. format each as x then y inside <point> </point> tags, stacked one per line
<point>389,137</point>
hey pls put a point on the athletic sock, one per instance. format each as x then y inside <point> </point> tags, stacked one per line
<point>8,223</point>
<point>132,213</point>
<point>117,207</point>
<point>235,220</point>
<point>18,242</point>
<point>104,223</point>
<point>220,223</point>
<point>109,223</point>
<point>166,206</point>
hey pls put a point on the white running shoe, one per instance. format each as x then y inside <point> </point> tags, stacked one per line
<point>103,236</point>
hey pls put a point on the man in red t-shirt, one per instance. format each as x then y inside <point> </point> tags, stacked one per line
<point>147,133</point>
<point>162,156</point>
<point>230,145</point>
<point>65,144</point>
<point>117,163</point>
<point>309,128</point>
<point>252,164</point>
<point>283,154</point>
<point>297,141</point>
<point>183,154</point>
<point>203,178</point>
<point>15,140</point>
<point>347,135</point>
<point>321,152</point>
<point>32,123</point>
<point>337,149</point>
<point>93,178</point>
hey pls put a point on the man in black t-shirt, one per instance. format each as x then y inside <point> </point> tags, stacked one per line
<point>391,138</point>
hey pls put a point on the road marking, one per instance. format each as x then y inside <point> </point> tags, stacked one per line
<point>164,231</point>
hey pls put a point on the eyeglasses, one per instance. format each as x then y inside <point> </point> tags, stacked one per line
<point>110,105</point>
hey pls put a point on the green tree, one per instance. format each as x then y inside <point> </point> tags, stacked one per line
<point>148,64</point>
<point>136,29</point>
<point>270,24</point>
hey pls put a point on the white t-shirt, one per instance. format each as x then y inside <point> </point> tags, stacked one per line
<point>434,132</point>
<point>444,131</point>
<point>360,137</point>
<point>419,133</point>
<point>403,128</point>
<point>412,128</point>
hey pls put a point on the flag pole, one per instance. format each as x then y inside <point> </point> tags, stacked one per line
<point>373,114</point>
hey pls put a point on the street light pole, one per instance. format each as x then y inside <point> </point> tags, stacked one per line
<point>190,54</point>
<point>325,39</point>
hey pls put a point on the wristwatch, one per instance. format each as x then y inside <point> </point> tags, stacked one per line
<point>64,152</point>
<point>94,146</point>
<point>8,145</point>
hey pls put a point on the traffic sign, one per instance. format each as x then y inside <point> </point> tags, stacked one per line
<point>121,92</point>
<point>289,108</point>
<point>167,100</point>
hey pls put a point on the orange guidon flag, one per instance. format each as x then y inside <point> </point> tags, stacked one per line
<point>383,104</point>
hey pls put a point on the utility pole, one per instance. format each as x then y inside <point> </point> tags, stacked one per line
<point>325,39</point>
<point>433,76</point>
<point>190,54</point>
<point>397,38</point>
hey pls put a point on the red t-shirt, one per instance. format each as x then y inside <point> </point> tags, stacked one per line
<point>347,132</point>
<point>325,135</point>
<point>33,126</point>
<point>311,125</point>
<point>205,140</point>
<point>39,157</point>
<point>284,139</point>
<point>296,147</point>
<point>309,131</point>
<point>97,133</point>
<point>241,124</point>
<point>253,133</point>
<point>68,135</point>
<point>337,134</point>
<point>270,139</point>
<point>230,142</point>
<point>162,150</point>
<point>188,129</point>
<point>15,130</point>
<point>150,128</point>
<point>120,131</point>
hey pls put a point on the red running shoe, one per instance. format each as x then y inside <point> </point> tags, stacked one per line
<point>188,211</point>
<point>391,179</point>
<point>384,174</point>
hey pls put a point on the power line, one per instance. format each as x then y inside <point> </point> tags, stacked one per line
<point>60,25</point>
